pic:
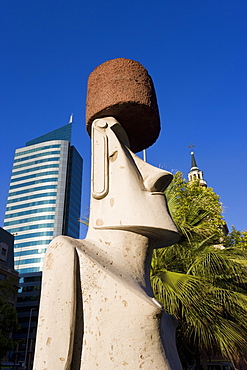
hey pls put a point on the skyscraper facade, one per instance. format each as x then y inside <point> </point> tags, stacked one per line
<point>44,196</point>
<point>44,201</point>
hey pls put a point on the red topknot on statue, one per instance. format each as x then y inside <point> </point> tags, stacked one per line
<point>122,88</point>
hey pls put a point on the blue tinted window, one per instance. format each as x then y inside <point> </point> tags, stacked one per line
<point>29,227</point>
<point>30,211</point>
<point>42,154</point>
<point>33,251</point>
<point>62,133</point>
<point>35,196</point>
<point>33,235</point>
<point>29,260</point>
<point>46,166</point>
<point>37,149</point>
<point>30,183</point>
<point>32,189</point>
<point>32,204</point>
<point>73,200</point>
<point>73,232</point>
<point>47,173</point>
<point>30,219</point>
<point>54,159</point>
<point>32,243</point>
<point>75,204</point>
<point>28,270</point>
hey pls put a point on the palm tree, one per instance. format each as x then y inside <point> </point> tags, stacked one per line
<point>203,286</point>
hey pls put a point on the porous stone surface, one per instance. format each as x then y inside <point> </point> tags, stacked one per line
<point>122,88</point>
<point>97,309</point>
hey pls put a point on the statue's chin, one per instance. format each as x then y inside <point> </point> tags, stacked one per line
<point>160,236</point>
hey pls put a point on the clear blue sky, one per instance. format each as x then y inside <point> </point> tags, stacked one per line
<point>195,51</point>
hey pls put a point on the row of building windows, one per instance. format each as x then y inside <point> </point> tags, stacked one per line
<point>34,235</point>
<point>30,227</point>
<point>30,190</point>
<point>25,289</point>
<point>46,173</point>
<point>29,219</point>
<point>33,297</point>
<point>32,204</point>
<point>42,154</point>
<point>34,196</point>
<point>54,159</point>
<point>30,183</point>
<point>29,260</point>
<point>32,251</point>
<point>29,212</point>
<point>27,271</point>
<point>33,243</point>
<point>30,279</point>
<point>46,166</point>
<point>37,149</point>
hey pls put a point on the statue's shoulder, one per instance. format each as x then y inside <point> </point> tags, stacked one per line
<point>65,243</point>
<point>61,252</point>
<point>66,248</point>
<point>65,239</point>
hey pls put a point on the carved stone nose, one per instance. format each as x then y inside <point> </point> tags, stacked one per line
<point>158,182</point>
<point>154,179</point>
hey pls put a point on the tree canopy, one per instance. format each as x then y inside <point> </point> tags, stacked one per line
<point>202,279</point>
<point>8,316</point>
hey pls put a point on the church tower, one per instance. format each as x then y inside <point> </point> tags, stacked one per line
<point>195,173</point>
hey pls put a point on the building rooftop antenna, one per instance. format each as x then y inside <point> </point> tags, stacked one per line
<point>71,118</point>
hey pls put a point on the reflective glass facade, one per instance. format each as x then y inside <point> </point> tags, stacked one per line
<point>44,196</point>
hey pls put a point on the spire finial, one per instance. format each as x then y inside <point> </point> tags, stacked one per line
<point>71,118</point>
<point>193,161</point>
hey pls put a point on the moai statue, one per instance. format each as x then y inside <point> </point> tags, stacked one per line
<point>97,307</point>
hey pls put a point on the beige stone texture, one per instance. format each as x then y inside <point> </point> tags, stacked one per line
<point>97,309</point>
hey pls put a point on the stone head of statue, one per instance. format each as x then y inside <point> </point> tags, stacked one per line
<point>126,192</point>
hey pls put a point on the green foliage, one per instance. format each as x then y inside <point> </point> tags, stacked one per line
<point>8,316</point>
<point>202,284</point>
<point>195,209</point>
<point>237,239</point>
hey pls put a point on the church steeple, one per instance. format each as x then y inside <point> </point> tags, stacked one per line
<point>193,160</point>
<point>195,173</point>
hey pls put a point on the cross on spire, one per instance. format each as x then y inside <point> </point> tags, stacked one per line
<point>191,145</point>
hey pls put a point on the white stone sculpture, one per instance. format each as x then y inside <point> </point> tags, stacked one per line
<point>97,307</point>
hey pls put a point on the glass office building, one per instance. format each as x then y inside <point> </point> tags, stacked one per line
<point>44,201</point>
<point>44,196</point>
